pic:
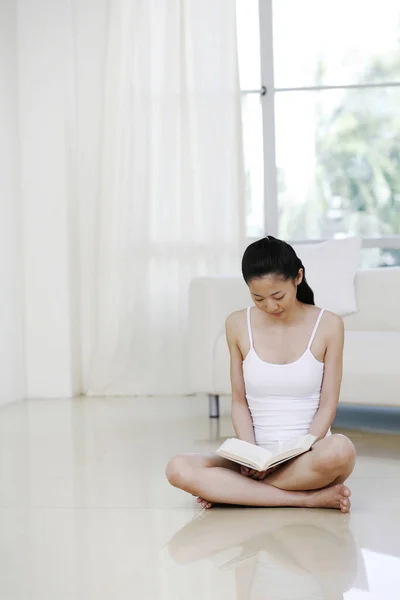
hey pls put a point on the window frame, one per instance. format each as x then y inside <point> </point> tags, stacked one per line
<point>267,93</point>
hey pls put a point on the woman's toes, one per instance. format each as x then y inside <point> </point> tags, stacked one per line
<point>345,505</point>
<point>345,499</point>
<point>204,503</point>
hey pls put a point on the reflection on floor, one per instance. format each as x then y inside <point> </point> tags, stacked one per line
<point>86,512</point>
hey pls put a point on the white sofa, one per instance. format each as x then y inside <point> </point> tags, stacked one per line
<point>372,343</point>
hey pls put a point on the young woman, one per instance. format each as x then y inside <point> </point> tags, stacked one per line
<point>286,370</point>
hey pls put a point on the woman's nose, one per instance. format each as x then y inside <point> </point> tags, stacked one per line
<point>272,307</point>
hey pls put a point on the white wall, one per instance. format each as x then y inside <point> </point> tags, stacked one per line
<point>11,292</point>
<point>39,282</point>
<point>45,66</point>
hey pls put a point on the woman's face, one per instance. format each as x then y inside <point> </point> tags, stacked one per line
<point>275,295</point>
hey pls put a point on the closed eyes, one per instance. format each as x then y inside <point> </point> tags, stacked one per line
<point>275,297</point>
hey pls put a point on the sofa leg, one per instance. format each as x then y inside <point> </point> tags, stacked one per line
<point>213,401</point>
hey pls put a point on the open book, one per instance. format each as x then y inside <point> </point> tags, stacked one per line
<point>260,459</point>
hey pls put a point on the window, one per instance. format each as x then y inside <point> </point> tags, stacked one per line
<point>248,29</point>
<point>326,136</point>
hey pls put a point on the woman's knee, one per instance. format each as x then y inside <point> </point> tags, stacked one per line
<point>337,454</point>
<point>179,471</point>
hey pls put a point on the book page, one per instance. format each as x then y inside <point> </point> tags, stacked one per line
<point>244,453</point>
<point>304,443</point>
<point>259,458</point>
<point>292,450</point>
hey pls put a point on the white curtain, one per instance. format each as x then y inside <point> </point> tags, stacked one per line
<point>121,179</point>
<point>169,198</point>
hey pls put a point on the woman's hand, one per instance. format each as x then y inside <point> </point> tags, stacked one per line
<point>257,475</point>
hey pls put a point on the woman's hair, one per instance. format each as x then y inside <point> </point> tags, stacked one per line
<point>270,256</point>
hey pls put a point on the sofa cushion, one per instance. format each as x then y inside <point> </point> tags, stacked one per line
<point>371,373</point>
<point>378,301</point>
<point>370,389</point>
<point>330,270</point>
<point>372,351</point>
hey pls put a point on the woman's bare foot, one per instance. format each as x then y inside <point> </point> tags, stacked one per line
<point>334,496</point>
<point>204,503</point>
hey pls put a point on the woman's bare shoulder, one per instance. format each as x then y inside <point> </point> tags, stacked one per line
<point>332,324</point>
<point>235,321</point>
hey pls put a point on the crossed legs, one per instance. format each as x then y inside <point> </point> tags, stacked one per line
<point>314,479</point>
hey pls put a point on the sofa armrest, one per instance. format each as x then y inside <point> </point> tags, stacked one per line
<point>211,300</point>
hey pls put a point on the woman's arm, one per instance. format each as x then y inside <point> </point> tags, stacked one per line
<point>332,380</point>
<point>241,417</point>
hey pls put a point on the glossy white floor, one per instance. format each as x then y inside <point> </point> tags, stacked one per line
<point>86,513</point>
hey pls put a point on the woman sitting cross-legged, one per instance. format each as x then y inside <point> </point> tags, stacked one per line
<point>286,370</point>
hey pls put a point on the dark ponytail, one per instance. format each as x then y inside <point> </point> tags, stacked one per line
<point>304,292</point>
<point>270,256</point>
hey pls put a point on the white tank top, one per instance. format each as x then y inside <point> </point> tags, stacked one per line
<point>282,398</point>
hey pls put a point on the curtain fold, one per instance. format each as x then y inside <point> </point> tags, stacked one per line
<point>122,180</point>
<point>170,198</point>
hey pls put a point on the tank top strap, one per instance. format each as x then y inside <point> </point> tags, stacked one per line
<point>315,328</point>
<point>249,327</point>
